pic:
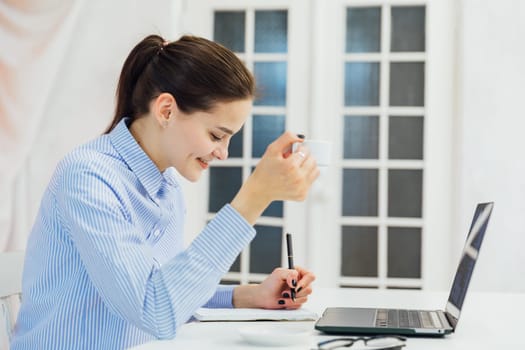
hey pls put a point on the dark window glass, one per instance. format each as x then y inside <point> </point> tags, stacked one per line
<point>361,84</point>
<point>271,31</point>
<point>408,29</point>
<point>360,191</point>
<point>224,184</point>
<point>405,193</point>
<point>361,137</point>
<point>235,149</point>
<point>363,29</point>
<point>265,249</point>
<point>359,251</point>
<point>404,252</point>
<point>407,84</point>
<point>271,83</point>
<point>228,29</point>
<point>405,138</point>
<point>230,282</point>
<point>266,128</point>
<point>236,266</point>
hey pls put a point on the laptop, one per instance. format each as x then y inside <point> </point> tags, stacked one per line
<point>349,320</point>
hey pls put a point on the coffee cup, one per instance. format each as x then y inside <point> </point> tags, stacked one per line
<point>320,150</point>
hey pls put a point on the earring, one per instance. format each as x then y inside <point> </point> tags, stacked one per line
<point>165,124</point>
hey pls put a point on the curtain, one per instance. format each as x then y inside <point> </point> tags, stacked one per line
<point>34,35</point>
<point>59,67</point>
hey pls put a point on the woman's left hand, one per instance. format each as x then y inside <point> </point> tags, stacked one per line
<point>275,291</point>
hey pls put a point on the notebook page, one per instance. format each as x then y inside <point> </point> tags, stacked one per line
<point>211,314</point>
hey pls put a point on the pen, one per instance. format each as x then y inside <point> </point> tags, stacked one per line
<point>290,258</point>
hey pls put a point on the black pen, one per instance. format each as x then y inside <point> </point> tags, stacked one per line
<point>290,258</point>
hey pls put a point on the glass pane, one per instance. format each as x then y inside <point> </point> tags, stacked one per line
<point>408,29</point>
<point>271,31</point>
<point>228,29</point>
<point>404,252</point>
<point>265,249</point>
<point>359,251</point>
<point>407,84</point>
<point>360,192</point>
<point>271,83</point>
<point>235,148</point>
<point>230,282</point>
<point>353,286</point>
<point>404,288</point>
<point>405,138</point>
<point>275,209</point>
<point>236,266</point>
<point>266,128</point>
<point>363,29</point>
<point>224,184</point>
<point>361,137</point>
<point>361,84</point>
<point>405,193</point>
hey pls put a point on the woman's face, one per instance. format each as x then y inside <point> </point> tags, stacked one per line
<point>194,140</point>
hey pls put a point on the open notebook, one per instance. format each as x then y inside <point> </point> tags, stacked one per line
<point>208,314</point>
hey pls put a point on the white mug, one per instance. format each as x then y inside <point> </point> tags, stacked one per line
<point>320,150</point>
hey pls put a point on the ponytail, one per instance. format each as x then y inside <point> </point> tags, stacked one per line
<point>137,60</point>
<point>196,71</point>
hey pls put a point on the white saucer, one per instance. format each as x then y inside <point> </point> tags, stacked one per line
<point>277,334</point>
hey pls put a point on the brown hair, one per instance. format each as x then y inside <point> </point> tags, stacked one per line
<point>196,71</point>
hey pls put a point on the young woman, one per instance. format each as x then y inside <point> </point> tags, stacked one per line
<point>106,267</point>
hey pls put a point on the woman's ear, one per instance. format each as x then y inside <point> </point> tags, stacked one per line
<point>164,107</point>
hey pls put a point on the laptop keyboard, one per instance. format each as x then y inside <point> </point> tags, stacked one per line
<point>391,318</point>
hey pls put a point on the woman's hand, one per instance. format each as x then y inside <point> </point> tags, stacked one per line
<point>280,175</point>
<point>275,291</point>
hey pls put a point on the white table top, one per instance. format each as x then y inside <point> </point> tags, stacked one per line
<point>488,321</point>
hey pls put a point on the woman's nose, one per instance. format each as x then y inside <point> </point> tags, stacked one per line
<point>221,152</point>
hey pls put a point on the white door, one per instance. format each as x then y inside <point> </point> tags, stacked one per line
<point>375,78</point>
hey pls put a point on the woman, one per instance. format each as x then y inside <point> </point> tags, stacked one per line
<point>106,267</point>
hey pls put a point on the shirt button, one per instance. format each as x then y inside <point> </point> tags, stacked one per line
<point>156,233</point>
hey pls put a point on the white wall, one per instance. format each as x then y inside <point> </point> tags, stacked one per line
<point>491,124</point>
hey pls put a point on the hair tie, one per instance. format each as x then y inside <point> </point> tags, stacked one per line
<point>161,47</point>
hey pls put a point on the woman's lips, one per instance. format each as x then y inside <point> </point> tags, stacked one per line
<point>204,165</point>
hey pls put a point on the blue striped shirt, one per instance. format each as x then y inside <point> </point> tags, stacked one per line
<point>105,264</point>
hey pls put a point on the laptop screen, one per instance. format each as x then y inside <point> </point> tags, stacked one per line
<point>469,255</point>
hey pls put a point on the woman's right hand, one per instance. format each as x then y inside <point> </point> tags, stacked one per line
<point>280,175</point>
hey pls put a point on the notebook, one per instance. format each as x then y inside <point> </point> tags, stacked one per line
<point>240,314</point>
<point>341,320</point>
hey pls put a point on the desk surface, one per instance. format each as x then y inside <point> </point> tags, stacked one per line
<point>488,321</point>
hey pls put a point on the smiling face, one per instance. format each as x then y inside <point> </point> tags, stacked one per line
<point>191,141</point>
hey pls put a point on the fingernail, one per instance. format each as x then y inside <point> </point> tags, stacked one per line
<point>281,302</point>
<point>294,283</point>
<point>301,136</point>
<point>299,289</point>
<point>286,295</point>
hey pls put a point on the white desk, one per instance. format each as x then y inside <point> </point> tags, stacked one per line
<point>488,321</point>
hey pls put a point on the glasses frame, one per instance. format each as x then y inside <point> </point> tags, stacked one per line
<point>352,340</point>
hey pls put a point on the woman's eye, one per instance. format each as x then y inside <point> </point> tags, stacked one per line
<point>215,137</point>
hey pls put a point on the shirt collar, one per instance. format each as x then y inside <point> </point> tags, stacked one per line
<point>146,171</point>
<point>170,175</point>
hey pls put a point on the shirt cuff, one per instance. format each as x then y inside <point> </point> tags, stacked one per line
<point>223,297</point>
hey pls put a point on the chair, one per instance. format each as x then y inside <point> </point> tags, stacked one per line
<point>11,267</point>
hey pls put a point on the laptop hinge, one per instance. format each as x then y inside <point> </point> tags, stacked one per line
<point>451,319</point>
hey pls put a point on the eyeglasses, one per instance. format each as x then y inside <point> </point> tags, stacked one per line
<point>381,342</point>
